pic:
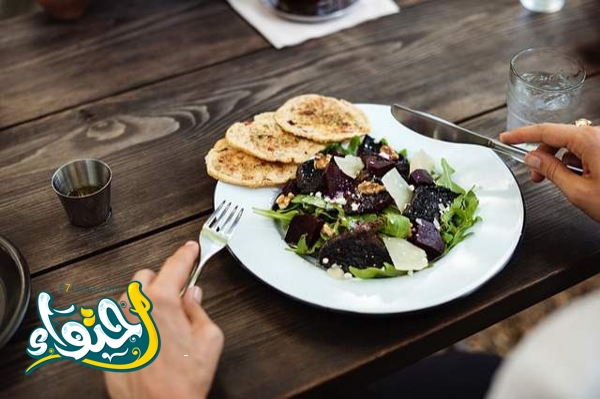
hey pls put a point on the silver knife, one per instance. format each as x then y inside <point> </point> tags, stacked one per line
<point>437,128</point>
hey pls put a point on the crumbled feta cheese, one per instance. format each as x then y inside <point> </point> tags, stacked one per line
<point>325,261</point>
<point>348,275</point>
<point>419,222</point>
<point>411,187</point>
<point>318,194</point>
<point>354,206</point>
<point>436,223</point>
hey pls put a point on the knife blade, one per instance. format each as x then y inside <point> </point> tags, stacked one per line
<point>439,129</point>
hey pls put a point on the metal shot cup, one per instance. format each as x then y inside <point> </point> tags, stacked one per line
<point>83,187</point>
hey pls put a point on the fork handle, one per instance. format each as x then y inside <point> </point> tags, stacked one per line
<point>195,273</point>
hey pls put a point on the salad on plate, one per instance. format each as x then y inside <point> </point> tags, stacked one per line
<point>362,209</point>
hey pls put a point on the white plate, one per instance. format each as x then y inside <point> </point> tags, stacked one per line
<point>258,244</point>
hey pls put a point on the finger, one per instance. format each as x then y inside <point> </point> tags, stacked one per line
<point>553,169</point>
<point>192,308</point>
<point>145,277</point>
<point>177,268</point>
<point>536,176</point>
<point>554,135</point>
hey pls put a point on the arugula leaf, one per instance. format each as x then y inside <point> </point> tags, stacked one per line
<point>350,149</point>
<point>302,248</point>
<point>353,145</point>
<point>312,200</point>
<point>459,218</point>
<point>396,225</point>
<point>445,179</point>
<point>403,152</point>
<point>388,270</point>
<point>285,216</point>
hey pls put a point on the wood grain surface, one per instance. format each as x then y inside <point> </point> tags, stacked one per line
<point>450,59</point>
<point>278,347</point>
<point>130,85</point>
<point>116,46</point>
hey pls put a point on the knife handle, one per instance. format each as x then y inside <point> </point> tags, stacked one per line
<point>519,154</point>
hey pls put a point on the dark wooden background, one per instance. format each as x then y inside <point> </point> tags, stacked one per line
<point>149,86</point>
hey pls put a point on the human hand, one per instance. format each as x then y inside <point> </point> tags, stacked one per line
<point>184,328</point>
<point>583,144</point>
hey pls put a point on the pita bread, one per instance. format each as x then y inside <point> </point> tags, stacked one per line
<point>264,139</point>
<point>232,166</point>
<point>322,119</point>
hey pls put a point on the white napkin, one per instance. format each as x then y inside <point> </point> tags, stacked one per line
<point>281,32</point>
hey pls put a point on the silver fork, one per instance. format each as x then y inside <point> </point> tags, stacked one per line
<point>215,234</point>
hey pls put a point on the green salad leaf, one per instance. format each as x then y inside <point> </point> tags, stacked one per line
<point>302,247</point>
<point>350,149</point>
<point>285,216</point>
<point>395,225</point>
<point>445,179</point>
<point>459,218</point>
<point>388,270</point>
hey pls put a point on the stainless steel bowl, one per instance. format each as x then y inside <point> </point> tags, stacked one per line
<point>15,290</point>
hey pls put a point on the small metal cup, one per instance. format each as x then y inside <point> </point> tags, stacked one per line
<point>83,187</point>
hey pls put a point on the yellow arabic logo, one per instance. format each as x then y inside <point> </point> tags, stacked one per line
<point>74,342</point>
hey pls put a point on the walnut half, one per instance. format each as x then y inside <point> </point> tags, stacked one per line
<point>389,151</point>
<point>370,188</point>
<point>284,200</point>
<point>322,160</point>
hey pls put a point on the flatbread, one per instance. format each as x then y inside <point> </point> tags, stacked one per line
<point>264,139</point>
<point>232,166</point>
<point>322,119</point>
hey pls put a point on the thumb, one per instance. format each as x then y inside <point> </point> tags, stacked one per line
<point>192,308</point>
<point>552,169</point>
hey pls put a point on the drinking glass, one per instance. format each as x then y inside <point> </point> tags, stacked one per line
<point>543,5</point>
<point>545,86</point>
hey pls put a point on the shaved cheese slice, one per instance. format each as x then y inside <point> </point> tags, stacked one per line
<point>405,256</point>
<point>350,165</point>
<point>421,160</point>
<point>398,188</point>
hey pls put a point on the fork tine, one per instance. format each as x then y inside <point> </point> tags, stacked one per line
<point>214,214</point>
<point>221,226</point>
<point>220,216</point>
<point>235,222</point>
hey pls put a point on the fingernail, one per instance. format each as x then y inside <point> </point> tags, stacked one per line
<point>532,161</point>
<point>502,135</point>
<point>197,294</point>
<point>190,243</point>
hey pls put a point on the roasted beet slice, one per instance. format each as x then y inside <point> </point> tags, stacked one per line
<point>308,179</point>
<point>301,225</point>
<point>357,204</point>
<point>368,146</point>
<point>335,181</point>
<point>427,201</point>
<point>403,167</point>
<point>427,237</point>
<point>360,248</point>
<point>420,177</point>
<point>376,165</point>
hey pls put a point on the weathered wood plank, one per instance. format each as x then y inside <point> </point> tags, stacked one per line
<point>278,347</point>
<point>451,59</point>
<point>48,66</point>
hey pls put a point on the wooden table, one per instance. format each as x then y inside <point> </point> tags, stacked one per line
<point>149,86</point>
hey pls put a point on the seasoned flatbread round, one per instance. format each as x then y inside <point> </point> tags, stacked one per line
<point>232,166</point>
<point>322,119</point>
<point>264,139</point>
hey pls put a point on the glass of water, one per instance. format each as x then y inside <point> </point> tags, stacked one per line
<point>545,86</point>
<point>548,6</point>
